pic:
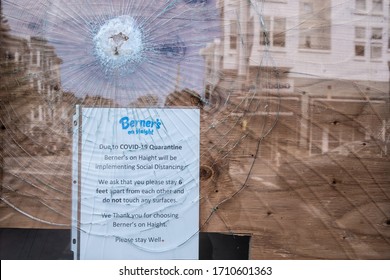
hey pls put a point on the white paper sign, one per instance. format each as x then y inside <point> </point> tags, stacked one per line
<point>136,183</point>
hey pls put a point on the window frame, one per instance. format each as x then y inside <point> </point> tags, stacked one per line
<point>233,32</point>
<point>273,34</point>
<point>360,40</point>
<point>363,9</point>
<point>371,41</point>
<point>377,12</point>
<point>376,42</point>
<point>369,6</point>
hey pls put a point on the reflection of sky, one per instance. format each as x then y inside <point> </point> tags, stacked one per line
<point>173,33</point>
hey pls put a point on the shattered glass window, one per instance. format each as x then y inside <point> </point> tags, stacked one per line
<point>294,116</point>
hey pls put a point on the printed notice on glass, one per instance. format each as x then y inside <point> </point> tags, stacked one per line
<point>135,183</point>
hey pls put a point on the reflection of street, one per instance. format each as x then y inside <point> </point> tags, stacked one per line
<point>264,176</point>
<point>294,127</point>
<point>34,192</point>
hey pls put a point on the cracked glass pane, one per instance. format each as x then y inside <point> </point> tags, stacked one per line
<point>293,98</point>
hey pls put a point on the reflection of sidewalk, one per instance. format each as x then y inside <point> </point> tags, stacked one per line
<point>336,170</point>
<point>325,206</point>
<point>36,192</point>
<point>264,174</point>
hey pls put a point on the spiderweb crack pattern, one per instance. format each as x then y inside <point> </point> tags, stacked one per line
<point>276,163</point>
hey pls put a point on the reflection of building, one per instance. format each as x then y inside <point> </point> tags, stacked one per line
<point>37,92</point>
<point>306,82</point>
<point>325,61</point>
<point>44,65</point>
<point>36,135</point>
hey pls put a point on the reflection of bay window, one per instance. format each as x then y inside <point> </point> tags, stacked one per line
<point>377,6</point>
<point>316,38</point>
<point>38,58</point>
<point>273,33</point>
<point>360,5</point>
<point>376,51</point>
<point>376,33</point>
<point>315,27</point>
<point>388,38</point>
<point>360,42</point>
<point>372,44</point>
<point>233,35</point>
<point>279,32</point>
<point>307,7</point>
<point>359,50</point>
<point>265,31</point>
<point>376,43</point>
<point>34,59</point>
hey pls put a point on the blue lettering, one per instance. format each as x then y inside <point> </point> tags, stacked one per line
<point>158,124</point>
<point>124,122</point>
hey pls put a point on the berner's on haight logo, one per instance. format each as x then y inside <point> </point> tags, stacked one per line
<point>145,127</point>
